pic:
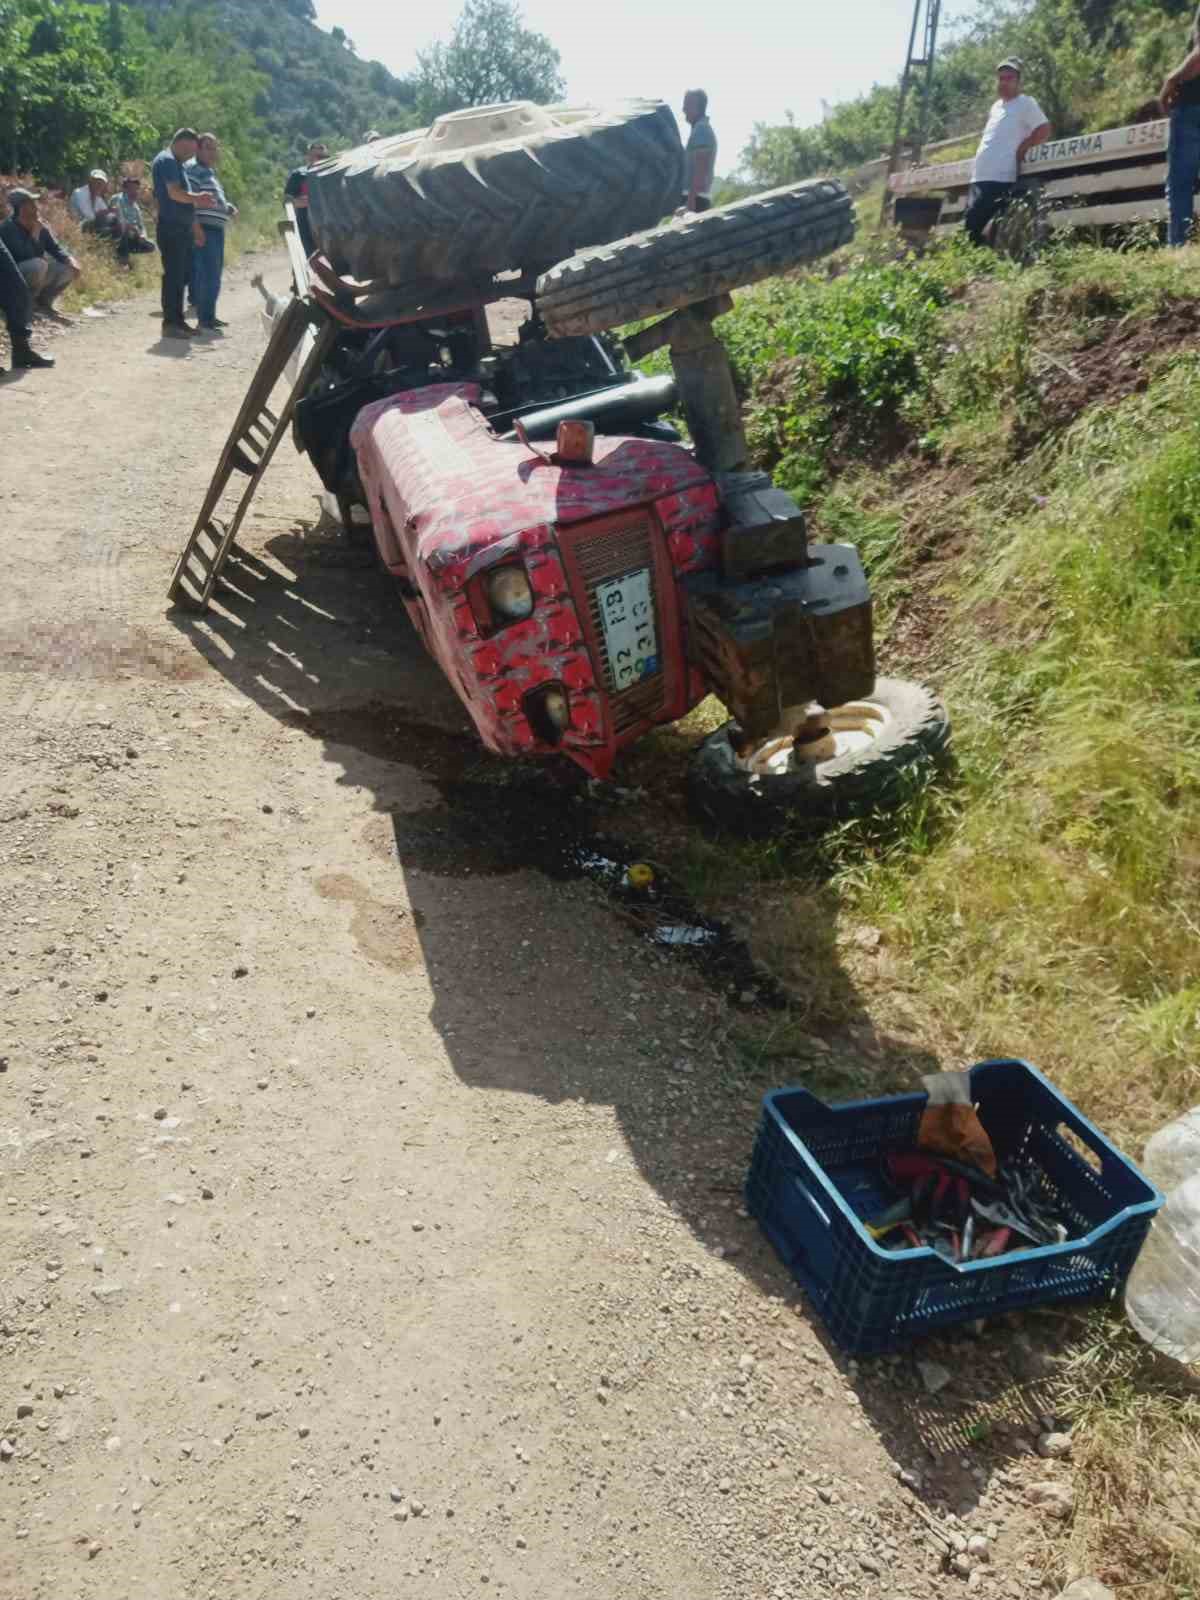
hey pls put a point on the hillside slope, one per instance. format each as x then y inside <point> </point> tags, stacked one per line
<point>315,83</point>
<point>1017,456</point>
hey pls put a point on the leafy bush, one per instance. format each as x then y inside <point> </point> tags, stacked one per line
<point>830,366</point>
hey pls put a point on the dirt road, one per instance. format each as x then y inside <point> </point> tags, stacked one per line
<point>369,1209</point>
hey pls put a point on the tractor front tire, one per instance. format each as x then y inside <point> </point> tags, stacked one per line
<point>695,257</point>
<point>909,733</point>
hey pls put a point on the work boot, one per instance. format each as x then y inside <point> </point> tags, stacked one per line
<point>25,356</point>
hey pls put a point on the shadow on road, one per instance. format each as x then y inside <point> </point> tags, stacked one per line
<point>318,637</point>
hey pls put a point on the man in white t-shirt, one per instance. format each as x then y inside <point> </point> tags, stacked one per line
<point>91,203</point>
<point>1015,124</point>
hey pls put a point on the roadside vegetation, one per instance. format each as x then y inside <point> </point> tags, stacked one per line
<point>1095,64</point>
<point>1017,456</point>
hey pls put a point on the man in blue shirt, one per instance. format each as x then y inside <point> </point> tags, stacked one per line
<point>208,258</point>
<point>177,208</point>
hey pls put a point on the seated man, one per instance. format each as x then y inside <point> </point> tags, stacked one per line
<point>41,260</point>
<point>17,306</point>
<point>130,230</point>
<point>91,206</point>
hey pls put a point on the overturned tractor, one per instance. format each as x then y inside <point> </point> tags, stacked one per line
<point>579,573</point>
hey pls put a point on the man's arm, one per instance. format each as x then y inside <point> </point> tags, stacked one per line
<point>293,190</point>
<point>185,197</point>
<point>52,248</point>
<point>1039,136</point>
<point>1187,69</point>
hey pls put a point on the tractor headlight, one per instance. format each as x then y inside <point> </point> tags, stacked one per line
<point>557,709</point>
<point>549,712</point>
<point>509,594</point>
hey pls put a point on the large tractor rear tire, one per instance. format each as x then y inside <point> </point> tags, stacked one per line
<point>695,257</point>
<point>496,188</point>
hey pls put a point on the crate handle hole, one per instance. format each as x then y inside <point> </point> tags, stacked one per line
<point>1082,1149</point>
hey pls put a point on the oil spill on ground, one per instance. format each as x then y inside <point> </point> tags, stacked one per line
<point>498,817</point>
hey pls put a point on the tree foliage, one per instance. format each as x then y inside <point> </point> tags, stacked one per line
<point>315,85</point>
<point>107,82</point>
<point>65,101</point>
<point>1088,62</point>
<point>490,57</point>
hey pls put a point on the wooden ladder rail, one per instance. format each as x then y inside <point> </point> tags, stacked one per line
<point>252,442</point>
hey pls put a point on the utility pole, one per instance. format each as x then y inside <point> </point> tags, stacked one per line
<point>928,12</point>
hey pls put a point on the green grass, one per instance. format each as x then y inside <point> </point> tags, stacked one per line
<point>1045,901</point>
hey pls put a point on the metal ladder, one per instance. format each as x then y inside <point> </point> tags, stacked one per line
<point>252,442</point>
<point>928,11</point>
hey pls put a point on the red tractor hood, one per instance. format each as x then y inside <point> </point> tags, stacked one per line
<point>456,491</point>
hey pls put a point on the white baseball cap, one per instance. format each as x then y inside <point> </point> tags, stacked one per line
<point>99,173</point>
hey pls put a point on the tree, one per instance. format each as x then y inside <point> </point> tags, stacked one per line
<point>491,56</point>
<point>63,102</point>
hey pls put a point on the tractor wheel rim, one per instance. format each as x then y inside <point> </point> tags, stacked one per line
<point>853,728</point>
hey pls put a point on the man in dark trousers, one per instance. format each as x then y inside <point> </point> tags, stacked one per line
<point>296,190</point>
<point>1180,99</point>
<point>17,304</point>
<point>177,207</point>
<point>1015,124</point>
<point>46,267</point>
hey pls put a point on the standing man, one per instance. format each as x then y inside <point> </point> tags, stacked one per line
<point>41,260</point>
<point>177,208</point>
<point>90,204</point>
<point>700,153</point>
<point>130,229</point>
<point>17,304</point>
<point>208,258</point>
<point>1015,124</point>
<point>1180,97</point>
<point>296,190</point>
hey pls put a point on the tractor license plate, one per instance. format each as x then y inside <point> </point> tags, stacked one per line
<point>626,607</point>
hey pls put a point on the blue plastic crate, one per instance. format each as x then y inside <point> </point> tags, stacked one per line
<point>817,1170</point>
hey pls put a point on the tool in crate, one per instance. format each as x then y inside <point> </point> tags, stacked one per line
<point>892,1238</point>
<point>960,1212</point>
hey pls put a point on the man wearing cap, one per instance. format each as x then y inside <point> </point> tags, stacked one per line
<point>177,210</point>
<point>90,203</point>
<point>43,263</point>
<point>17,304</point>
<point>296,190</point>
<point>1016,123</point>
<point>130,229</point>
